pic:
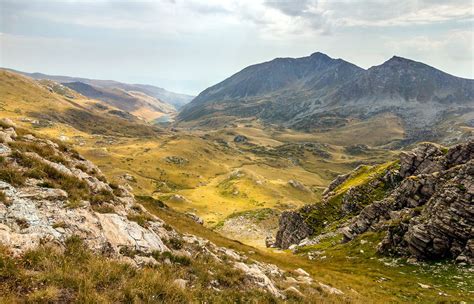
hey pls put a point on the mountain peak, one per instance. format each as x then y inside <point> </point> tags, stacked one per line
<point>398,60</point>
<point>319,55</point>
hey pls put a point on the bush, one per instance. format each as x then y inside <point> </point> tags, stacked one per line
<point>101,208</point>
<point>102,197</point>
<point>175,243</point>
<point>141,219</point>
<point>175,259</point>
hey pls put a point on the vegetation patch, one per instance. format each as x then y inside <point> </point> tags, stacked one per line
<point>255,214</point>
<point>151,200</point>
<point>42,150</point>
<point>141,219</point>
<point>12,176</point>
<point>104,196</point>
<point>103,208</point>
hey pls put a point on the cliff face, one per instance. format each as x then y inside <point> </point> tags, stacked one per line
<point>424,202</point>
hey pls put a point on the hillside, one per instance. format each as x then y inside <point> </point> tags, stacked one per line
<point>60,214</point>
<point>169,164</point>
<point>144,101</point>
<point>135,103</point>
<point>44,104</point>
<point>319,93</point>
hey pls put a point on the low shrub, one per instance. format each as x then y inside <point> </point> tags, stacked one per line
<point>12,176</point>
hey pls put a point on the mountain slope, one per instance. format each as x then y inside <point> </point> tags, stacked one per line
<point>257,86</point>
<point>160,97</point>
<point>45,103</point>
<point>136,103</point>
<point>318,92</point>
<point>58,209</point>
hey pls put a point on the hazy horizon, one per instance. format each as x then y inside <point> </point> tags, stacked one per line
<point>187,46</point>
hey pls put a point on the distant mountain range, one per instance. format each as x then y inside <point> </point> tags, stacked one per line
<point>145,101</point>
<point>320,92</point>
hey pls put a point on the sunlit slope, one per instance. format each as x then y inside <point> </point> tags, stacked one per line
<point>50,106</point>
<point>215,177</point>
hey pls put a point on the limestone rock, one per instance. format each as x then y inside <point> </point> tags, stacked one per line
<point>4,150</point>
<point>259,277</point>
<point>297,185</point>
<point>176,198</point>
<point>195,218</point>
<point>180,283</point>
<point>331,290</point>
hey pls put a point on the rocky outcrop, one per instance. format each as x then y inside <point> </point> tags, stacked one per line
<point>424,203</point>
<point>293,229</point>
<point>430,215</point>
<point>311,220</point>
<point>241,139</point>
<point>40,207</point>
<point>335,183</point>
<point>444,227</point>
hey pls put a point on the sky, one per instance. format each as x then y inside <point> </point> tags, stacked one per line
<point>188,45</point>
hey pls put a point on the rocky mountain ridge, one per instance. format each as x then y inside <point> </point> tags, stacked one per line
<point>423,203</point>
<point>319,93</point>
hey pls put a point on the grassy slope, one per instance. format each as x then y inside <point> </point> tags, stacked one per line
<point>25,98</point>
<point>358,274</point>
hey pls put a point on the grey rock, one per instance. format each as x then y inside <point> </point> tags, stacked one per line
<point>240,139</point>
<point>292,229</point>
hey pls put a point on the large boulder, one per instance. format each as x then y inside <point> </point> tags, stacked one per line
<point>292,229</point>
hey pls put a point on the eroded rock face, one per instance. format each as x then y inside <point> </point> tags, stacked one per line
<point>430,215</point>
<point>423,159</point>
<point>445,226</point>
<point>292,229</point>
<point>426,206</point>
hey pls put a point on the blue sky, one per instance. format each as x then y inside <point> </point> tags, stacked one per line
<point>187,46</point>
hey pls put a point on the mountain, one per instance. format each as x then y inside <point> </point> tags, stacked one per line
<point>257,87</point>
<point>134,102</point>
<point>118,93</point>
<point>318,92</point>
